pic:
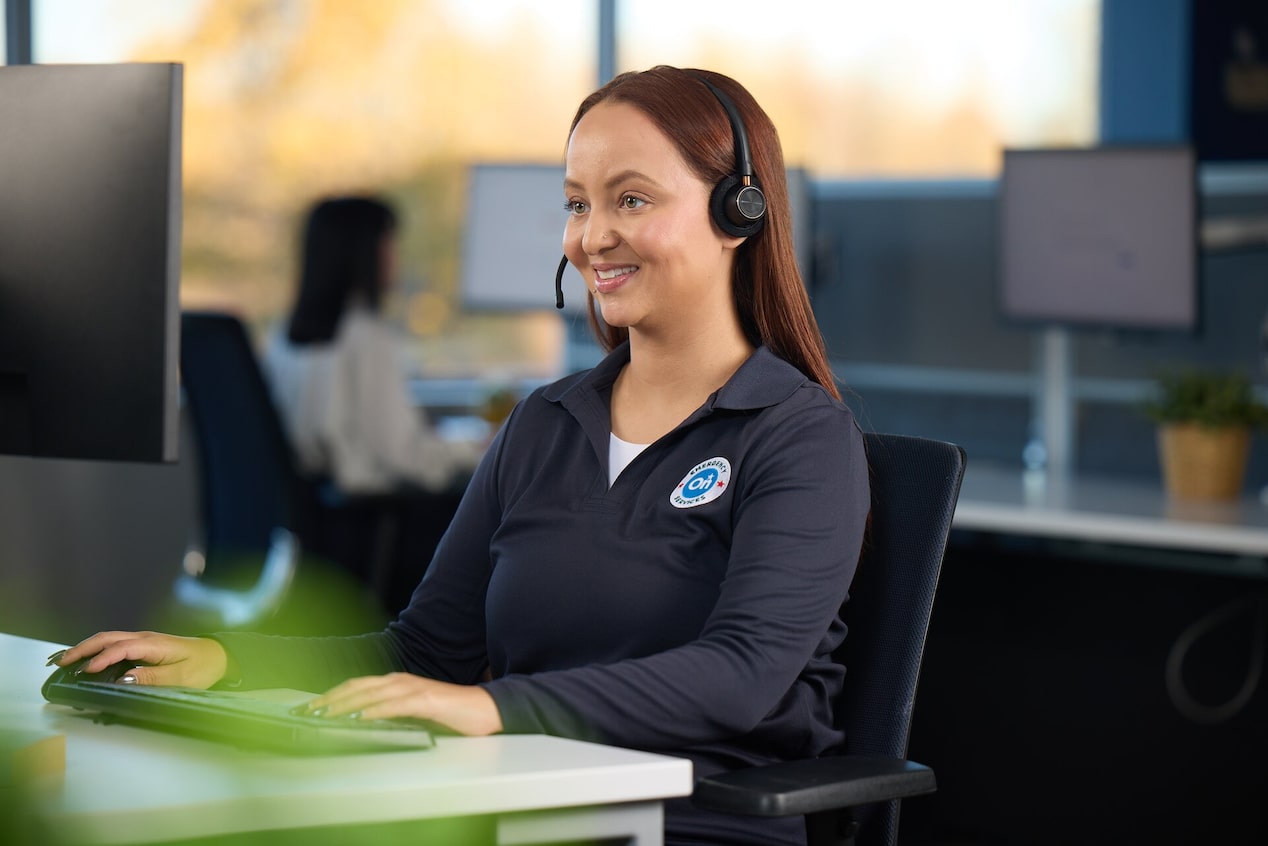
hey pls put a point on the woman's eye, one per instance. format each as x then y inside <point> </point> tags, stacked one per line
<point>574,207</point>
<point>629,201</point>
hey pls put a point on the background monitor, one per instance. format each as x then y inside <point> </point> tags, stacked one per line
<point>90,200</point>
<point>514,237</point>
<point>1100,237</point>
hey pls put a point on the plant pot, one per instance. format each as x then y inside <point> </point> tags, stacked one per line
<point>1201,462</point>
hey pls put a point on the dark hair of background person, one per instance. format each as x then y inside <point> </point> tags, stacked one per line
<point>341,262</point>
<point>771,297</point>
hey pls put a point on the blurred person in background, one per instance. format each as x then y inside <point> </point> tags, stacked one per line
<point>338,369</point>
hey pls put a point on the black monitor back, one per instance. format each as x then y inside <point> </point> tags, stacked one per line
<point>90,164</point>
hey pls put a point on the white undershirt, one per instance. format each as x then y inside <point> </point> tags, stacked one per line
<point>620,454</point>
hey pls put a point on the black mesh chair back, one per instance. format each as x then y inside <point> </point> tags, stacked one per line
<point>915,486</point>
<point>247,470</point>
<point>850,797</point>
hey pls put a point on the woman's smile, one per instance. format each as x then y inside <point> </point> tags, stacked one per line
<point>608,278</point>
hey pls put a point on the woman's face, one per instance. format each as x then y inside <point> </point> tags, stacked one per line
<point>638,225</point>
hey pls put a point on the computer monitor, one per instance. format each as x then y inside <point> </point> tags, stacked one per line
<point>1100,237</point>
<point>514,229</point>
<point>90,222</point>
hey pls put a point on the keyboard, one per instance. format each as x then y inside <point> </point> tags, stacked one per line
<point>249,720</point>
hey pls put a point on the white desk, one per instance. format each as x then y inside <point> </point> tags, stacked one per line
<point>1109,510</point>
<point>129,785</point>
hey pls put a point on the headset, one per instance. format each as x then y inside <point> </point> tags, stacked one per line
<point>737,204</point>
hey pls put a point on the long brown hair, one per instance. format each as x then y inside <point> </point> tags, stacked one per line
<point>769,293</point>
<point>341,261</point>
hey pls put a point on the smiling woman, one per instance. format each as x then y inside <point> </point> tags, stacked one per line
<point>653,552</point>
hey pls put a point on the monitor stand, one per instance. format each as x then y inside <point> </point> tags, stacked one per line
<point>1049,456</point>
<point>16,436</point>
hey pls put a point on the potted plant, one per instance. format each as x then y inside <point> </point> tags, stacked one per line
<point>1205,420</point>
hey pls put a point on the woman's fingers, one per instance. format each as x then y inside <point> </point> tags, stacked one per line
<point>362,694</point>
<point>467,709</point>
<point>88,647</point>
<point>140,648</point>
<point>158,658</point>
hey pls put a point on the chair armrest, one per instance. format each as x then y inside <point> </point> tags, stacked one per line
<point>813,785</point>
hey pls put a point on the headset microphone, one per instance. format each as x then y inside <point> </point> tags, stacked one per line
<point>559,282</point>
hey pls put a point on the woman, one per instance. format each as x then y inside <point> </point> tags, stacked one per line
<point>337,373</point>
<point>653,552</point>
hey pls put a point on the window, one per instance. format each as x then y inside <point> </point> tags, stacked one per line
<point>290,100</point>
<point>906,88</point>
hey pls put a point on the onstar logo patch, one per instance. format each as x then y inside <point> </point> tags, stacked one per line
<point>703,483</point>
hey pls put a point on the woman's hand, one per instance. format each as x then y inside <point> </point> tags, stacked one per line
<point>467,709</point>
<point>159,659</point>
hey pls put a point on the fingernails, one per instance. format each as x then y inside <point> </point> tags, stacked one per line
<point>354,715</point>
<point>55,657</point>
<point>128,678</point>
<point>307,710</point>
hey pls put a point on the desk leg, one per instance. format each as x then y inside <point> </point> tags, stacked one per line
<point>638,823</point>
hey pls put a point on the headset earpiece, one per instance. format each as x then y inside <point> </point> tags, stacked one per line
<point>738,209</point>
<point>737,203</point>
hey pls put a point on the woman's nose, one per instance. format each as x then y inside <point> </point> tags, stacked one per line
<point>598,235</point>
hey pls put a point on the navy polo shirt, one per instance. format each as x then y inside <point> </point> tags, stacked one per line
<point>690,607</point>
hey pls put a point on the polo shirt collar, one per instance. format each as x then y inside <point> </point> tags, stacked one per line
<point>763,380</point>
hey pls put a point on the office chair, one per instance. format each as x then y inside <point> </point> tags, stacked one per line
<point>262,532</point>
<point>853,797</point>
